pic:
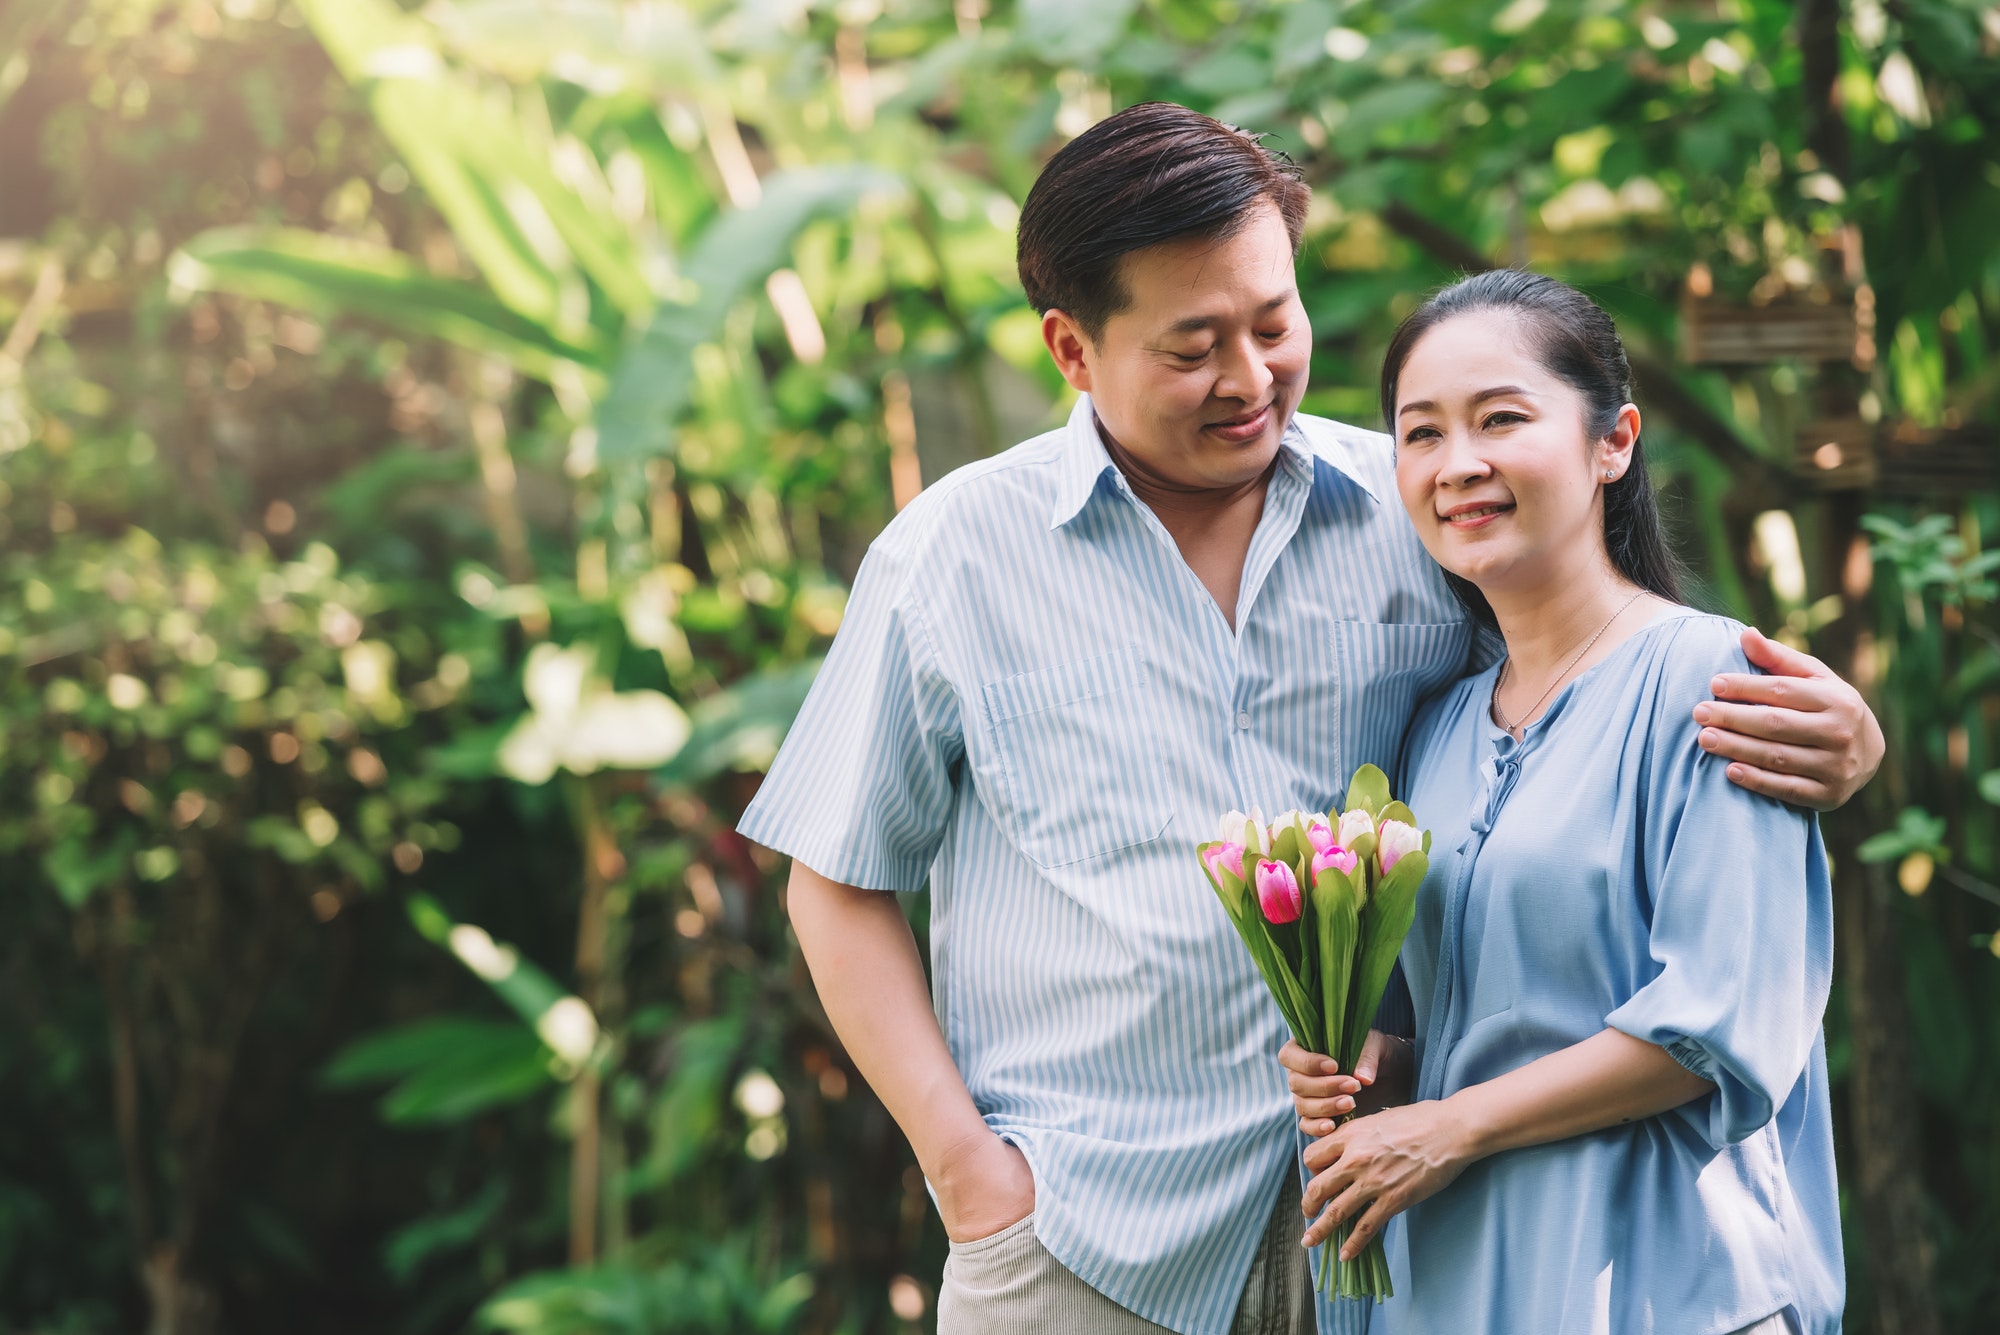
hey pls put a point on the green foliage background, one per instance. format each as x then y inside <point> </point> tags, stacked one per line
<point>398,401</point>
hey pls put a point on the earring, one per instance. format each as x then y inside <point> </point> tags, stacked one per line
<point>1610,474</point>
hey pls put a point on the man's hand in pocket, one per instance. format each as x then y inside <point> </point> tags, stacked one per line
<point>983,1185</point>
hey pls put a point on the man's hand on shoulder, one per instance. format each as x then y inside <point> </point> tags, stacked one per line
<point>1801,734</point>
<point>983,1185</point>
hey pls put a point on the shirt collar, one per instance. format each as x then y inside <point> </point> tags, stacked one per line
<point>1084,461</point>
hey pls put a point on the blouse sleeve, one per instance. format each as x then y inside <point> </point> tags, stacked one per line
<point>1741,910</point>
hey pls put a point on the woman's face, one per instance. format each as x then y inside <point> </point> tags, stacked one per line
<point>1492,461</point>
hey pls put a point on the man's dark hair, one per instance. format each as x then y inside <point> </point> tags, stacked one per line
<point>1152,173</point>
<point>1577,342</point>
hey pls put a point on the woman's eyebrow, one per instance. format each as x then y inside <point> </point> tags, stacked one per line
<point>1497,392</point>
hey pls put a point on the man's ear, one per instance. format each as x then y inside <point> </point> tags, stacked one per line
<point>1068,344</point>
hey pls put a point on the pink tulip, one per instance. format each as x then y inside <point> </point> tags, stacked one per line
<point>1354,826</point>
<point>1277,891</point>
<point>1226,857</point>
<point>1333,855</point>
<point>1398,840</point>
<point>1320,835</point>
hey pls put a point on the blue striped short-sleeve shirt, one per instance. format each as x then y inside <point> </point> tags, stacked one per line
<point>1035,707</point>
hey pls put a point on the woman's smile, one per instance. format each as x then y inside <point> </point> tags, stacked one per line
<point>1476,516</point>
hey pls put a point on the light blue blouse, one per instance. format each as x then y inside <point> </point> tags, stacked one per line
<point>1604,872</point>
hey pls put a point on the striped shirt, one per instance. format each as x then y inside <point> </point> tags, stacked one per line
<point>1036,706</point>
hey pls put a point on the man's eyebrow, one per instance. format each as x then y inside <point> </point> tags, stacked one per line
<point>1196,323</point>
<point>1497,392</point>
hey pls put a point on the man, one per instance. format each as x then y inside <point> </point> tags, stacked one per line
<point>1059,666</point>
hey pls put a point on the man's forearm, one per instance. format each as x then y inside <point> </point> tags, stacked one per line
<point>870,979</point>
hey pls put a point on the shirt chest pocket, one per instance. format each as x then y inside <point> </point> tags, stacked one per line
<point>1079,751</point>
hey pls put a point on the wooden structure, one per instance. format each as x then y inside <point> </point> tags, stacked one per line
<point>1835,323</point>
<point>1714,333</point>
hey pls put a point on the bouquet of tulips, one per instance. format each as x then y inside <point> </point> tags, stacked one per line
<point>1323,902</point>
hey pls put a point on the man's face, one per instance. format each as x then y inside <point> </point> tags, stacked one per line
<point>1200,373</point>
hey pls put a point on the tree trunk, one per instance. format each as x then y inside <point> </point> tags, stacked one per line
<point>1882,1124</point>
<point>1883,1117</point>
<point>181,1305</point>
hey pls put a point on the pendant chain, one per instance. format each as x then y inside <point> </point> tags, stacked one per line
<point>1514,729</point>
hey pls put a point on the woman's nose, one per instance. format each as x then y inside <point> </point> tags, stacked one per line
<point>1459,463</point>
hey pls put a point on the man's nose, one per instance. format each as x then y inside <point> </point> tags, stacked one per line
<point>1244,375</point>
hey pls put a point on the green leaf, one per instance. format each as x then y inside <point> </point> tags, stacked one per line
<point>416,1242</point>
<point>740,728</point>
<point>1337,900</point>
<point>517,220</point>
<point>365,495</point>
<point>1384,924</point>
<point>80,872</point>
<point>1916,831</point>
<point>689,1111</point>
<point>1368,790</point>
<point>1396,104</point>
<point>332,275</point>
<point>396,1052</point>
<point>1884,847</point>
<point>522,984</point>
<point>595,43</point>
<point>1072,34</point>
<point>451,1067</point>
<point>738,250</point>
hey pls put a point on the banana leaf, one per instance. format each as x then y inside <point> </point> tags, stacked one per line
<point>736,251</point>
<point>331,275</point>
<point>476,160</point>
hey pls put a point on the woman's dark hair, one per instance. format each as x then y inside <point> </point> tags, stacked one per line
<point>1151,173</point>
<point>1576,341</point>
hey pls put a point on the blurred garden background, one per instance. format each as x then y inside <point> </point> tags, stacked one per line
<point>434,444</point>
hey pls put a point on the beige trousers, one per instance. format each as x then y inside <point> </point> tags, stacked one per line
<point>1009,1284</point>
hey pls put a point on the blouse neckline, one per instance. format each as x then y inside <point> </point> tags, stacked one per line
<point>1504,743</point>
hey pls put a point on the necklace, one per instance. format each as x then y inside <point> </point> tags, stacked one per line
<point>1500,715</point>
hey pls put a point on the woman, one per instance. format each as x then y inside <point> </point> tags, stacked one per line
<point>1620,959</point>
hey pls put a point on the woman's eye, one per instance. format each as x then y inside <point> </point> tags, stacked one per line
<point>1275,335</point>
<point>1419,434</point>
<point>1505,419</point>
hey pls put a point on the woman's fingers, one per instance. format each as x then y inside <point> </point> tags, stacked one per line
<point>1369,1063</point>
<point>1323,1153</point>
<point>1317,1110</point>
<point>1348,1203</point>
<point>1326,1184</point>
<point>1372,1221</point>
<point>1321,1087</point>
<point>1295,1058</point>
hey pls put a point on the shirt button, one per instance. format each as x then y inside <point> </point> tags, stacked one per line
<point>1243,718</point>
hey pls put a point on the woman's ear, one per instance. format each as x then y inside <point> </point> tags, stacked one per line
<point>1614,452</point>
